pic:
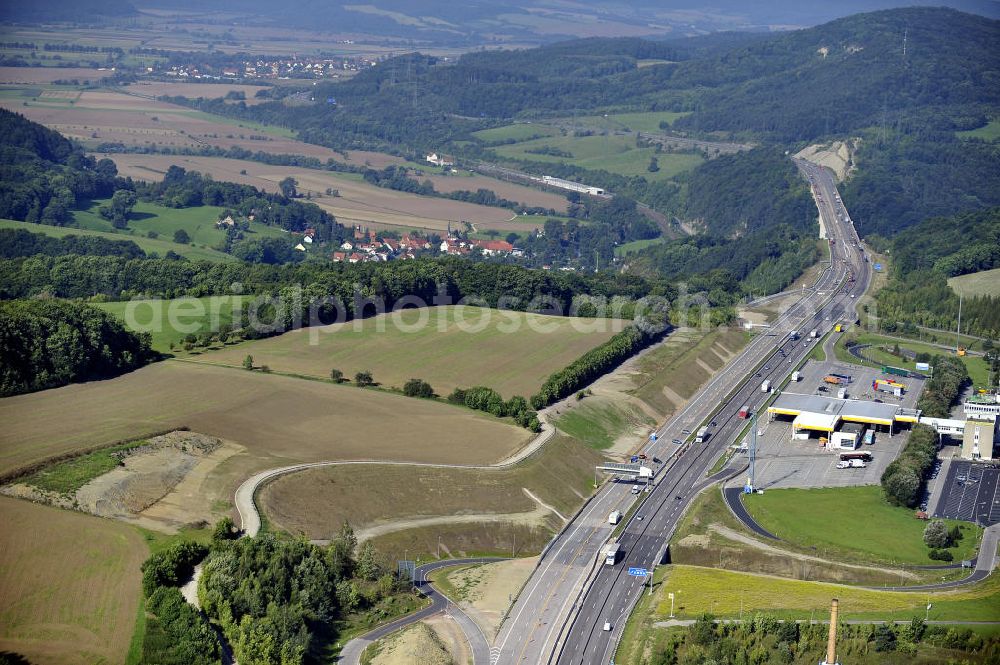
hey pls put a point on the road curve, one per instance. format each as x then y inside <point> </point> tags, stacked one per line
<point>351,653</point>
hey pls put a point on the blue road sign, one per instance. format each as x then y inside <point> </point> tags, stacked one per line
<point>638,572</point>
<point>634,459</point>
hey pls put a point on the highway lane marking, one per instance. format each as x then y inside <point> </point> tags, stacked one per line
<point>555,587</point>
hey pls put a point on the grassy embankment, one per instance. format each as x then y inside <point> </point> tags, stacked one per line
<point>851,524</point>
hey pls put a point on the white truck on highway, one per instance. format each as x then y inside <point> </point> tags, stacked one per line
<point>702,435</point>
<point>611,554</point>
<point>615,517</point>
<point>814,334</point>
<point>765,386</point>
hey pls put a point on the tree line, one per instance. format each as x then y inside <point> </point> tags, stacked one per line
<point>49,343</point>
<point>594,363</point>
<point>903,478</point>
<point>16,243</point>
<point>763,638</point>
<point>448,277</point>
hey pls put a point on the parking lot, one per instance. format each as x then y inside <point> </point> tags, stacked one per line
<point>971,492</point>
<point>859,387</point>
<point>786,462</point>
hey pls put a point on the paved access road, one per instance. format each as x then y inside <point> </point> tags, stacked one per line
<point>563,607</point>
<point>351,653</point>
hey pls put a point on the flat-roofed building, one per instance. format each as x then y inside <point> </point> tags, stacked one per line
<point>978,439</point>
<point>825,413</point>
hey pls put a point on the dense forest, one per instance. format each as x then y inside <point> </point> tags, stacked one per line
<point>48,343</point>
<point>276,599</point>
<point>924,257</point>
<point>43,176</point>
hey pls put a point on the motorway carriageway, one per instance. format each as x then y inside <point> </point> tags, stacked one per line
<point>536,625</point>
<point>612,592</point>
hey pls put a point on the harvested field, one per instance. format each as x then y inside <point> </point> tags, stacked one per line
<point>196,90</point>
<point>449,347</point>
<point>559,477</point>
<point>100,116</point>
<point>277,419</point>
<point>358,203</point>
<point>69,586</point>
<point>46,75</point>
<point>508,190</point>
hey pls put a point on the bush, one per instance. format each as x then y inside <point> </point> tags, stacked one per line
<point>418,388</point>
<point>364,379</point>
<point>936,535</point>
<point>884,638</point>
<point>941,555</point>
<point>181,237</point>
<point>336,375</point>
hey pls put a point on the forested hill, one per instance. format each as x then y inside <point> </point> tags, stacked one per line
<point>43,176</point>
<point>850,74</point>
<point>924,257</point>
<point>840,77</point>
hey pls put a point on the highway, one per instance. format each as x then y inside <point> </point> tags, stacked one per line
<point>561,612</point>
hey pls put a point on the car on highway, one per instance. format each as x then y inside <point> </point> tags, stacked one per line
<point>639,517</point>
<point>685,431</point>
<point>677,441</point>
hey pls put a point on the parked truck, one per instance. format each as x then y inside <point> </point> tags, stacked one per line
<point>765,386</point>
<point>611,554</point>
<point>795,376</point>
<point>615,517</point>
<point>834,380</point>
<point>842,393</point>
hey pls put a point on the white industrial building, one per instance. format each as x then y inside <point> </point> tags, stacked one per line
<point>982,407</point>
<point>572,186</point>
